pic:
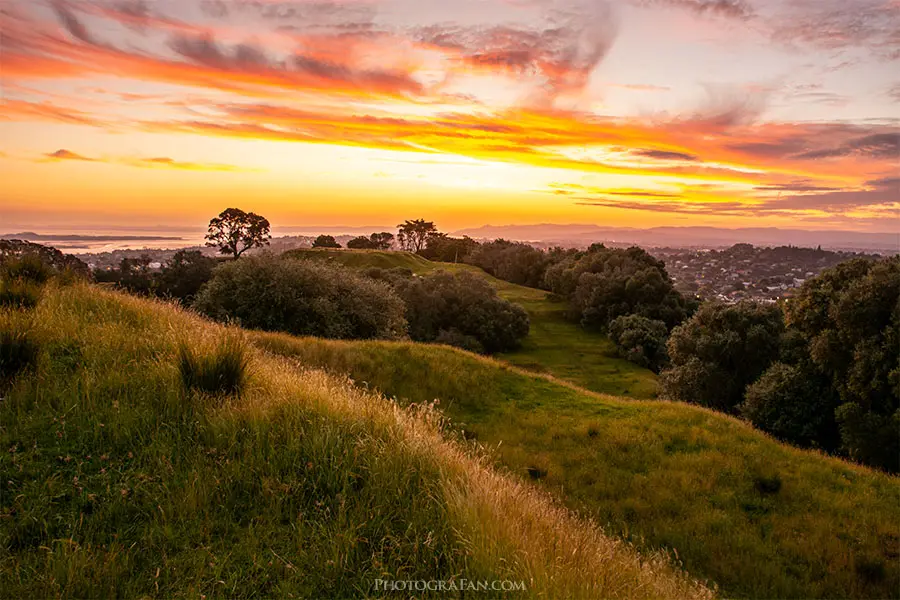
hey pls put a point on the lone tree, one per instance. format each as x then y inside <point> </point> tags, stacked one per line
<point>234,232</point>
<point>325,241</point>
<point>413,235</point>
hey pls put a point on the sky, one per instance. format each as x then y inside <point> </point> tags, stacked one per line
<point>732,113</point>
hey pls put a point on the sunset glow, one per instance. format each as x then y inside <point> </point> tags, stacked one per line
<point>628,112</point>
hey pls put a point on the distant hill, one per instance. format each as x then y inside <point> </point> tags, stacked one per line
<point>707,237</point>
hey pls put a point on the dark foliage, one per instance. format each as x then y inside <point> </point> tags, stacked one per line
<point>512,261</point>
<point>604,283</point>
<point>640,340</point>
<point>442,248</point>
<point>223,371</point>
<point>18,293</point>
<point>325,241</point>
<point>359,243</point>
<point>796,404</point>
<point>719,351</point>
<point>183,276</point>
<point>302,297</point>
<point>850,319</point>
<point>456,307</point>
<point>18,353</point>
<point>18,260</point>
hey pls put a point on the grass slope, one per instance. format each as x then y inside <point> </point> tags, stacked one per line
<point>117,483</point>
<point>555,345</point>
<point>759,518</point>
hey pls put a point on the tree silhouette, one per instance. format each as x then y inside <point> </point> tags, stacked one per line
<point>382,241</point>
<point>325,241</point>
<point>414,234</point>
<point>235,231</point>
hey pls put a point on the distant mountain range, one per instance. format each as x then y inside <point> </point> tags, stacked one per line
<point>30,236</point>
<point>688,237</point>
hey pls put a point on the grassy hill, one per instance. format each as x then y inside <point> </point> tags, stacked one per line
<point>554,346</point>
<point>759,518</point>
<point>117,482</point>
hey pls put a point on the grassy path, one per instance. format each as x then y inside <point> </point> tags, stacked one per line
<point>555,345</point>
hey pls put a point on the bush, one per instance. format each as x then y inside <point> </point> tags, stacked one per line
<point>18,353</point>
<point>454,337</point>
<point>19,293</point>
<point>640,340</point>
<point>461,305</point>
<point>27,267</point>
<point>302,297</point>
<point>223,371</point>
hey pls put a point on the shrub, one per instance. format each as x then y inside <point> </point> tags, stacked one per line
<point>454,337</point>
<point>767,484</point>
<point>222,371</point>
<point>19,293</point>
<point>18,353</point>
<point>302,297</point>
<point>27,267</point>
<point>444,302</point>
<point>640,340</point>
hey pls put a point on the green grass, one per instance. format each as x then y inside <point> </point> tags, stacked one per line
<point>759,518</point>
<point>555,345</point>
<point>114,484</point>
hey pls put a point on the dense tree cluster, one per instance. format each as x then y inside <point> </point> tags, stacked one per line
<point>605,283</point>
<point>459,309</point>
<point>515,262</point>
<point>720,351</point>
<point>824,374</point>
<point>302,297</point>
<point>442,248</point>
<point>376,241</point>
<point>179,279</point>
<point>325,241</point>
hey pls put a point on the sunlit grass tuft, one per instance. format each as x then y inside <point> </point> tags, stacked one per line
<point>220,371</point>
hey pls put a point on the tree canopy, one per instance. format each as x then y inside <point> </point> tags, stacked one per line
<point>413,235</point>
<point>234,232</point>
<point>325,241</point>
